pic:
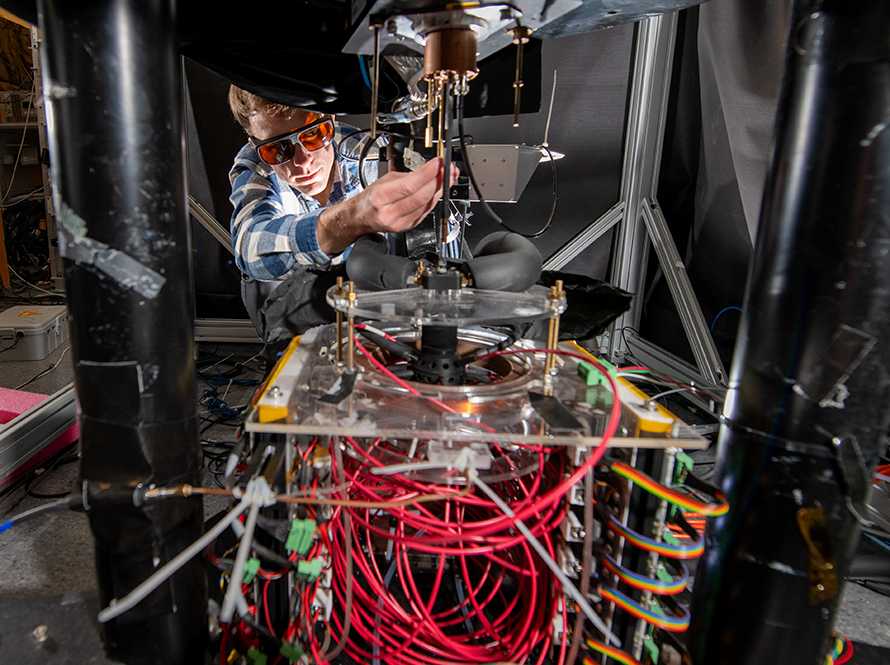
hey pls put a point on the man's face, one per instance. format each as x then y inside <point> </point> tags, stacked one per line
<point>310,173</point>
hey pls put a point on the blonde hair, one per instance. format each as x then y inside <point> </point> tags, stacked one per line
<point>245,104</point>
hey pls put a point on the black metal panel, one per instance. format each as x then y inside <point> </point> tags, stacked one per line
<point>807,409</point>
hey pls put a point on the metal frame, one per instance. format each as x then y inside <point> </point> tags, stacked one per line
<point>30,432</point>
<point>638,218</point>
<point>57,270</point>
<point>226,331</point>
<point>209,222</point>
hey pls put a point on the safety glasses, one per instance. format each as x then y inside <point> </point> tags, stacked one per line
<point>280,149</point>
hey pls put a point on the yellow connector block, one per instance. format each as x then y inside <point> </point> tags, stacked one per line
<point>268,413</point>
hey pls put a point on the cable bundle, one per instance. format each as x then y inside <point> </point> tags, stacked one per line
<point>665,613</point>
<point>488,597</point>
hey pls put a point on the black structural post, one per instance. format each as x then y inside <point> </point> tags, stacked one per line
<point>807,410</point>
<point>112,83</point>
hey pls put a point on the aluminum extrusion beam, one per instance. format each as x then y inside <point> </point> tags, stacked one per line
<point>226,330</point>
<point>807,410</point>
<point>209,222</point>
<point>113,85</point>
<point>703,348</point>
<point>647,110</point>
<point>30,432</point>
<point>561,257</point>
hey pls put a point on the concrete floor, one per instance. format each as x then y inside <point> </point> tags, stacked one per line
<point>47,569</point>
<point>35,562</point>
<point>47,573</point>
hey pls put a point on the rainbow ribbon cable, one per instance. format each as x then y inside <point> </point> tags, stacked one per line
<point>683,550</point>
<point>676,623</point>
<point>611,652</point>
<point>654,487</point>
<point>638,581</point>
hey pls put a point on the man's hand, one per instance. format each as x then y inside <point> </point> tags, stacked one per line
<point>395,203</point>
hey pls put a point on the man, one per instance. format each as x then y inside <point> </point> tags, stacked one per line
<point>298,205</point>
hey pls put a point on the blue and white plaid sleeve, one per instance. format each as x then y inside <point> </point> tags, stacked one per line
<point>268,241</point>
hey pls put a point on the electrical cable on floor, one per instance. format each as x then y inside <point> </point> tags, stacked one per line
<point>44,474</point>
<point>61,504</point>
<point>49,369</point>
<point>22,480</point>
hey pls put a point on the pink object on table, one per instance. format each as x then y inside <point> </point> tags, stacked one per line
<point>14,403</point>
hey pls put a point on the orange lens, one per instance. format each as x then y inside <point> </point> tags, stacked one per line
<point>317,137</point>
<point>277,152</point>
<point>312,139</point>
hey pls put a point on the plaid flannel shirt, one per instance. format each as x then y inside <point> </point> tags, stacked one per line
<point>273,225</point>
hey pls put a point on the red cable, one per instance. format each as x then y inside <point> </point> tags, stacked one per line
<point>847,655</point>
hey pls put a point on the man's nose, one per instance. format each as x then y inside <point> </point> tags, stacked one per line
<point>301,157</point>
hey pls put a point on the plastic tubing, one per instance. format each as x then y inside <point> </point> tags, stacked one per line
<point>379,602</point>
<point>401,383</point>
<point>233,591</point>
<point>505,261</point>
<point>411,593</point>
<point>429,488</point>
<point>570,588</point>
<point>487,544</point>
<point>596,454</point>
<point>118,607</point>
<point>370,265</point>
<point>61,504</point>
<point>483,527</point>
<point>382,633</point>
<point>443,532</point>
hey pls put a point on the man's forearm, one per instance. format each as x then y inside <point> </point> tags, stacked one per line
<point>339,226</point>
<point>395,203</point>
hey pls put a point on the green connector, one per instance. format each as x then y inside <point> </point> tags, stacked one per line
<point>592,376</point>
<point>670,538</point>
<point>682,468</point>
<point>309,570</point>
<point>662,574</point>
<point>251,566</point>
<point>300,537</point>
<point>256,657</point>
<point>292,652</point>
<point>650,651</point>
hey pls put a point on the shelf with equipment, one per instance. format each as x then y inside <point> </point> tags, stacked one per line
<point>25,184</point>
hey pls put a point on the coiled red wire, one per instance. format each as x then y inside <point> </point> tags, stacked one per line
<point>510,597</point>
